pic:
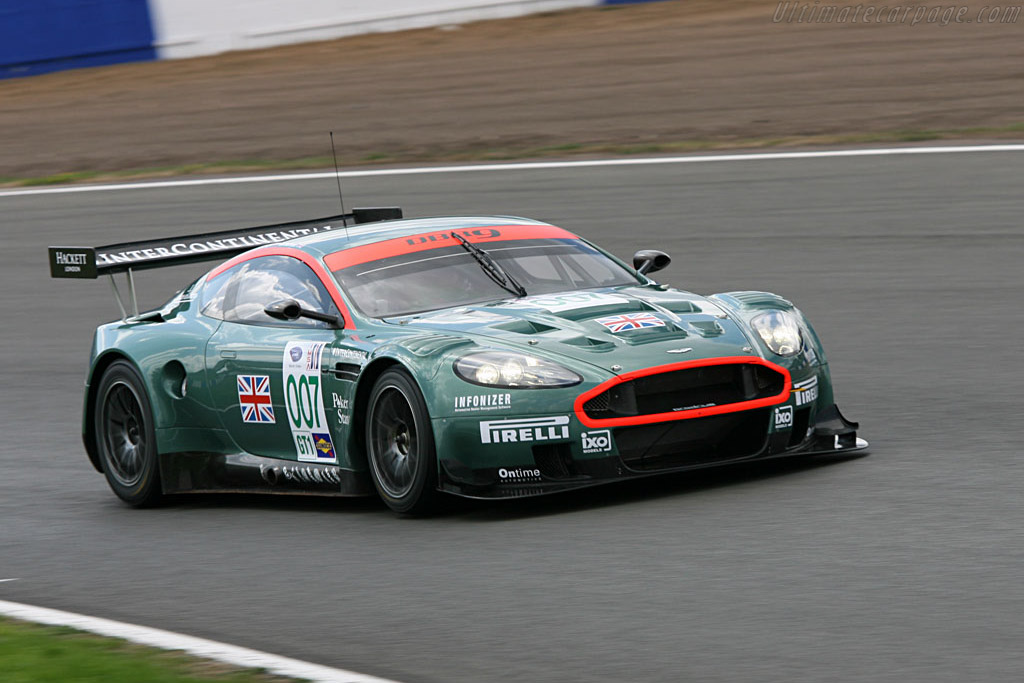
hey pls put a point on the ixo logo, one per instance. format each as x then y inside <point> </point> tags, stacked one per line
<point>784,417</point>
<point>597,442</point>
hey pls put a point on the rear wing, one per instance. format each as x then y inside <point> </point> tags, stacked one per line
<point>91,262</point>
<point>126,257</point>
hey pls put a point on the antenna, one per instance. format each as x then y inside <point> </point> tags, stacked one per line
<point>337,176</point>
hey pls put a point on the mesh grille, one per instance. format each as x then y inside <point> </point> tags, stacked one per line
<point>699,441</point>
<point>687,389</point>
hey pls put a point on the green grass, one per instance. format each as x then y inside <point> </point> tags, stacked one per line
<point>30,653</point>
<point>516,153</point>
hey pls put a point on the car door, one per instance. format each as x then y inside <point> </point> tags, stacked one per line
<point>271,378</point>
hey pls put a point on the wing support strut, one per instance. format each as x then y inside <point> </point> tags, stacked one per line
<point>132,298</point>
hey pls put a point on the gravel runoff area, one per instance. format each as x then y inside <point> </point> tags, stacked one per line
<point>668,76</point>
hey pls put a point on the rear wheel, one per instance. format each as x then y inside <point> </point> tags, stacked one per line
<point>400,444</point>
<point>126,437</point>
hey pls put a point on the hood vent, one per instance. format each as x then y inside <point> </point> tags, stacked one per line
<point>627,306</point>
<point>676,306</point>
<point>590,343</point>
<point>756,300</point>
<point>707,328</point>
<point>524,327</point>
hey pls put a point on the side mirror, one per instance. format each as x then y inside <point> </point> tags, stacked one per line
<point>650,261</point>
<point>290,309</point>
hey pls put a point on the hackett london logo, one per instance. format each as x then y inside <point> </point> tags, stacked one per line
<point>525,430</point>
<point>66,259</point>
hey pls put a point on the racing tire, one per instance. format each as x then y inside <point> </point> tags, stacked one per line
<point>126,436</point>
<point>400,445</point>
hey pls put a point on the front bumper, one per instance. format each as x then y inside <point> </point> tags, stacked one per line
<point>563,454</point>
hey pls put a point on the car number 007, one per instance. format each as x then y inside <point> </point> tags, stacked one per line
<point>303,402</point>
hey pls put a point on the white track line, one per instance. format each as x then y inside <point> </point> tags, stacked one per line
<point>2,580</point>
<point>528,166</point>
<point>230,654</point>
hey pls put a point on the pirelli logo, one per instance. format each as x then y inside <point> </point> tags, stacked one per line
<point>806,391</point>
<point>525,430</point>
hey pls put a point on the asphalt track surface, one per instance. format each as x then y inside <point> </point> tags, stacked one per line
<point>905,565</point>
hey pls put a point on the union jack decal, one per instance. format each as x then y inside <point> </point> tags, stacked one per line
<point>630,321</point>
<point>254,398</point>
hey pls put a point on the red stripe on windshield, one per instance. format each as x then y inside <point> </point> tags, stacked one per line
<point>410,244</point>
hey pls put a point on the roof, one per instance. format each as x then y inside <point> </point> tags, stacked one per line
<point>368,233</point>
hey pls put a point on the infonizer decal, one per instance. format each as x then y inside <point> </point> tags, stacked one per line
<point>630,321</point>
<point>475,402</point>
<point>254,399</point>
<point>304,399</point>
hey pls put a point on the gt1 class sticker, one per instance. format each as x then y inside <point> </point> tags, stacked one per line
<point>468,404</point>
<point>304,400</point>
<point>806,391</point>
<point>254,399</point>
<point>597,442</point>
<point>783,417</point>
<point>523,430</point>
<point>568,302</point>
<point>630,321</point>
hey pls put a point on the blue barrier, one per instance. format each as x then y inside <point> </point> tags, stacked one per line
<point>39,36</point>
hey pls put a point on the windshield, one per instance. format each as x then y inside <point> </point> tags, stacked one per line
<point>448,275</point>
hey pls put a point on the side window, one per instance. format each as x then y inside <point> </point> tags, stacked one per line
<point>241,293</point>
<point>212,299</point>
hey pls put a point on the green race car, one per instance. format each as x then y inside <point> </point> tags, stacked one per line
<point>487,357</point>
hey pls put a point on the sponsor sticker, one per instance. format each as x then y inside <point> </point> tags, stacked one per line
<point>518,475</point>
<point>783,417</point>
<point>695,406</point>
<point>324,446</point>
<point>525,430</point>
<point>304,400</point>
<point>349,354</point>
<point>72,262</point>
<point>477,402</point>
<point>342,406</point>
<point>254,399</point>
<point>630,321</point>
<point>162,249</point>
<point>806,391</point>
<point>568,302</point>
<point>597,442</point>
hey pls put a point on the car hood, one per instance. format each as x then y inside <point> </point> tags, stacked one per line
<point>619,329</point>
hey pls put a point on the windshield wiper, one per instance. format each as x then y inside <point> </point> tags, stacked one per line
<point>501,277</point>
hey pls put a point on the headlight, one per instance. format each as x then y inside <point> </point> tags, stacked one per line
<point>780,332</point>
<point>508,369</point>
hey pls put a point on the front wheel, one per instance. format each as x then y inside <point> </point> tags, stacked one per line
<point>126,437</point>
<point>400,444</point>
